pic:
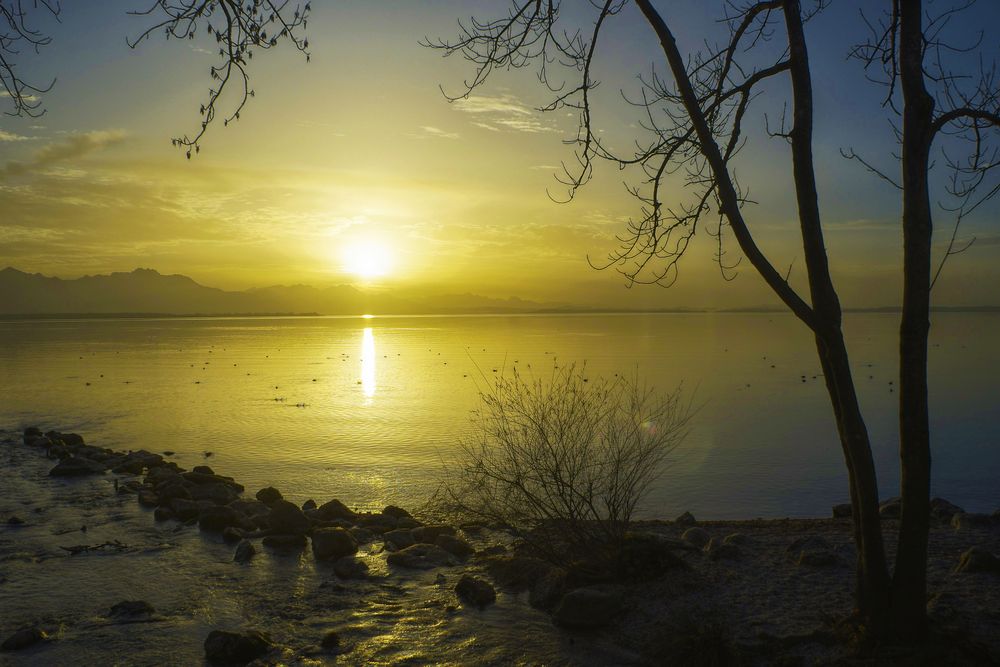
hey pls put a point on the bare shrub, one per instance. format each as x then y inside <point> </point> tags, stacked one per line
<point>564,461</point>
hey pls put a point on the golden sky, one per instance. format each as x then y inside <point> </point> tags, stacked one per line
<point>360,149</point>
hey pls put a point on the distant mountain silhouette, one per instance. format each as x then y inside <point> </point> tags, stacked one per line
<point>148,291</point>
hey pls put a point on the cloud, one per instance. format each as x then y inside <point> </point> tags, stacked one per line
<point>72,147</point>
<point>10,136</point>
<point>503,111</point>
<point>438,132</point>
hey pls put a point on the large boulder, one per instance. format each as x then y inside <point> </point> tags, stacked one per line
<point>76,466</point>
<point>455,545</point>
<point>548,589</point>
<point>586,608</point>
<point>269,495</point>
<point>332,543</point>
<point>942,510</point>
<point>218,518</point>
<point>420,557</point>
<point>236,648</point>
<point>220,494</point>
<point>966,521</point>
<point>696,537</point>
<point>978,559</point>
<point>285,542</point>
<point>475,591</point>
<point>184,510</point>
<point>686,519</point>
<point>429,534</point>
<point>396,512</point>
<point>335,510</point>
<point>288,518</point>
<point>350,567</point>
<point>22,639</point>
<point>245,552</point>
<point>398,539</point>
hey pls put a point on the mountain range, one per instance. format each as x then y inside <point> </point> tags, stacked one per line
<point>146,291</point>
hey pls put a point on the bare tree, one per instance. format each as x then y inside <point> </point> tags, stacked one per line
<point>237,28</point>
<point>693,131</point>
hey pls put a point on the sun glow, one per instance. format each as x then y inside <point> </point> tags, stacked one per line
<point>367,259</point>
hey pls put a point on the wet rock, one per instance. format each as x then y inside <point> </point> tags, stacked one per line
<point>288,518</point>
<point>697,537</point>
<point>203,478</point>
<point>250,508</point>
<point>75,467</point>
<point>978,559</point>
<point>172,488</point>
<point>548,589</point>
<point>269,495</point>
<point>686,519</point>
<point>131,610</point>
<point>236,648</point>
<point>220,494</point>
<point>203,470</point>
<point>245,552</point>
<point>843,511</point>
<point>130,486</point>
<point>185,510</point>
<point>890,509</point>
<point>420,557</point>
<point>218,518</point>
<point>349,567</point>
<point>335,510</point>
<point>516,573</point>
<point>233,534</point>
<point>163,514</point>
<point>967,521</point>
<point>475,591</point>
<point>942,510</point>
<point>429,534</point>
<point>309,505</point>
<point>455,545</point>
<point>407,522</point>
<point>134,463</point>
<point>398,539</point>
<point>586,608</point>
<point>148,498</point>
<point>332,543</point>
<point>286,542</point>
<point>22,639</point>
<point>361,535</point>
<point>31,433</point>
<point>396,512</point>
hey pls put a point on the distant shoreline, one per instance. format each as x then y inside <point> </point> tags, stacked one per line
<point>471,313</point>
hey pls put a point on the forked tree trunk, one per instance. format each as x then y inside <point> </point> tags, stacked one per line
<point>908,616</point>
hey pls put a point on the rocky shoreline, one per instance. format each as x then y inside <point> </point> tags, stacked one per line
<point>769,588</point>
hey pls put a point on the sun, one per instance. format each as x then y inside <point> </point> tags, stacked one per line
<point>367,259</point>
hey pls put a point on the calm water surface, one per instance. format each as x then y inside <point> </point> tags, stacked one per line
<point>366,410</point>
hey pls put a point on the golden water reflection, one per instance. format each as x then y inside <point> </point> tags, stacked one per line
<point>368,362</point>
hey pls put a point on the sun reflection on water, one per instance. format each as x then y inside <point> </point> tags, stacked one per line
<point>368,363</point>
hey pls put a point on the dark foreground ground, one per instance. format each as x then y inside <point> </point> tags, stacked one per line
<point>194,554</point>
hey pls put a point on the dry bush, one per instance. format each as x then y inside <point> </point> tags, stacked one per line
<point>564,461</point>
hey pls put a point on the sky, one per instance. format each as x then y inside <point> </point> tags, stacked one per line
<point>355,168</point>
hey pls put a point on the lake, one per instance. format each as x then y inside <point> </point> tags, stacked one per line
<point>368,409</point>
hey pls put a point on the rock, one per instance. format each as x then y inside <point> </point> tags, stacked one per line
<point>407,522</point>
<point>697,537</point>
<point>966,521</point>
<point>204,478</point>
<point>172,488</point>
<point>236,648</point>
<point>335,510</point>
<point>203,470</point>
<point>333,543</point>
<point>23,639</point>
<point>644,557</point>
<point>330,641</point>
<point>250,508</point>
<point>31,433</point>
<point>978,559</point>
<point>75,467</point>
<point>516,573</point>
<point>398,539</point>
<point>350,567</point>
<point>843,511</point>
<point>185,510</point>
<point>723,550</point>
<point>812,550</point>
<point>548,589</point>
<point>736,538</point>
<point>586,608</point>
<point>245,552</point>
<point>288,518</point>
<point>454,545</point>
<point>396,512</point>
<point>475,591</point>
<point>286,542</point>
<point>131,610</point>
<point>942,510</point>
<point>361,535</point>
<point>686,519</point>
<point>429,534</point>
<point>420,557</point>
<point>890,509</point>
<point>218,518</point>
<point>163,514</point>
<point>233,534</point>
<point>309,505</point>
<point>220,494</point>
<point>15,521</point>
<point>269,495</point>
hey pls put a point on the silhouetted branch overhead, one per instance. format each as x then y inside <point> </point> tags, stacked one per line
<point>239,27</point>
<point>18,34</point>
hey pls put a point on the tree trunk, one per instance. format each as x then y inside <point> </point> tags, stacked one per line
<point>908,615</point>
